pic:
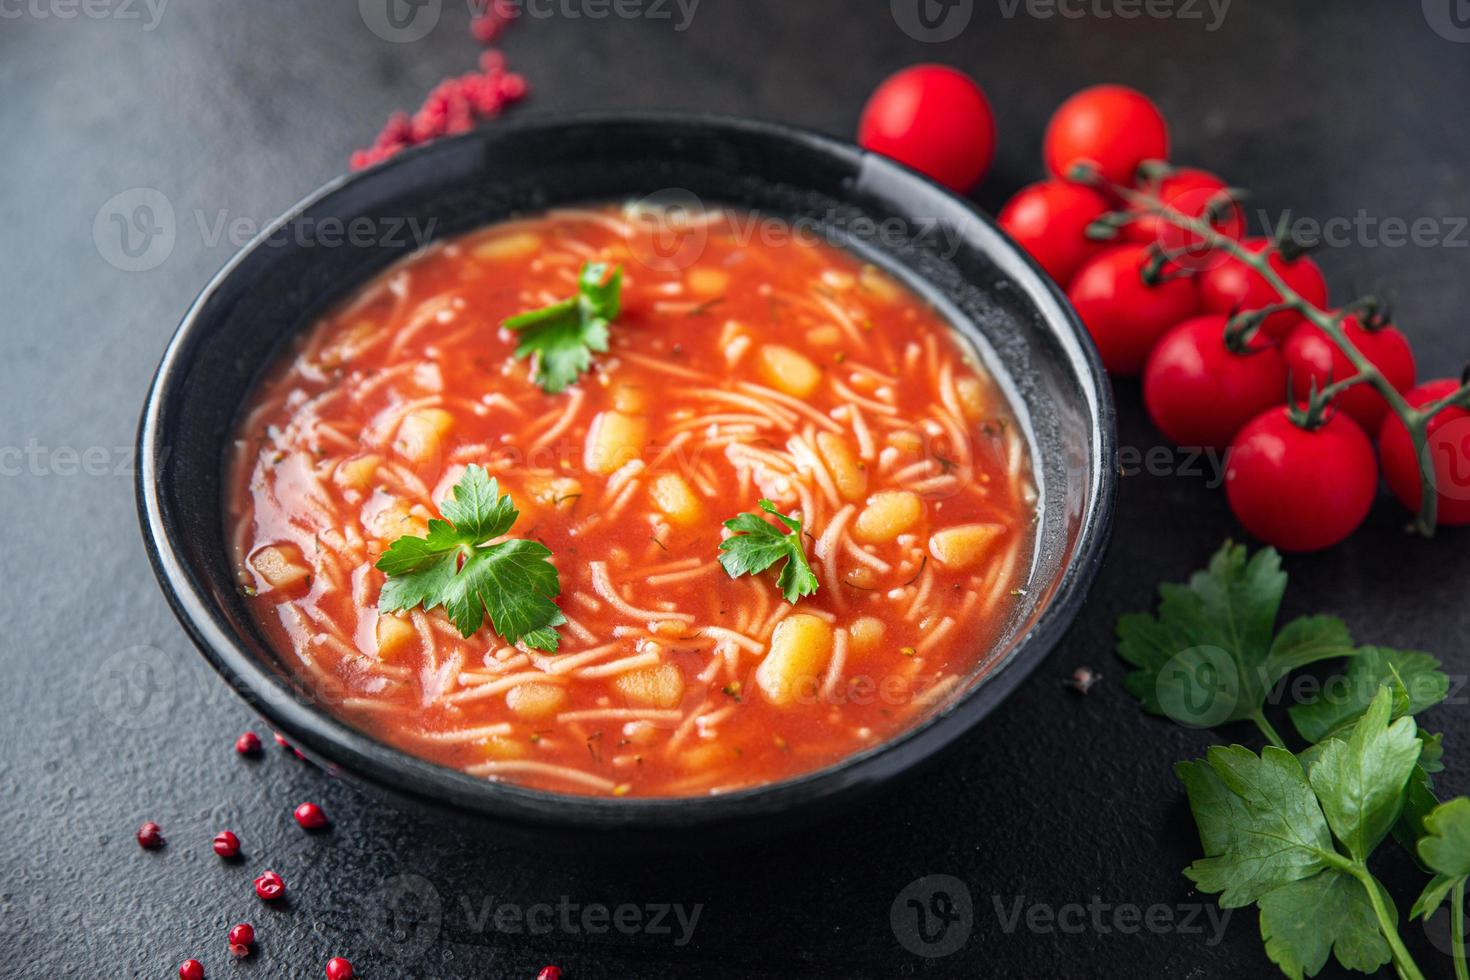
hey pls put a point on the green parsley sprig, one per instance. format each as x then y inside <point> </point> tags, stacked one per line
<point>564,335</point>
<point>758,544</point>
<point>1293,832</point>
<point>456,567</point>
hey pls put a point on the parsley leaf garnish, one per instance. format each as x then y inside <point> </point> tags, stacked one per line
<point>453,566</point>
<point>1360,780</point>
<point>1415,678</point>
<point>564,335</point>
<point>1258,820</point>
<point>1271,832</point>
<point>758,544</point>
<point>1212,654</point>
<point>1445,850</point>
<point>1301,923</point>
<point>1295,832</point>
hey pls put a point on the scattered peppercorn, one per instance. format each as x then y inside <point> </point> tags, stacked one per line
<point>150,836</point>
<point>1082,679</point>
<point>270,886</point>
<point>242,937</point>
<point>191,970</point>
<point>549,973</point>
<point>248,744</point>
<point>226,844</point>
<point>338,969</point>
<point>310,816</point>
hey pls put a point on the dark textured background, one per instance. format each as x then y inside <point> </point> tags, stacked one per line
<point>240,108</point>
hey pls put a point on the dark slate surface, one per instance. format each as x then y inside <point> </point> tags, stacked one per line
<point>235,110</point>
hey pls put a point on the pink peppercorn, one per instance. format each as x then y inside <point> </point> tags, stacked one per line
<point>549,973</point>
<point>270,886</point>
<point>310,816</point>
<point>338,969</point>
<point>191,970</point>
<point>248,744</point>
<point>226,844</point>
<point>150,836</point>
<point>242,937</point>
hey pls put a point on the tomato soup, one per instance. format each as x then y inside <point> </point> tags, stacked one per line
<point>751,366</point>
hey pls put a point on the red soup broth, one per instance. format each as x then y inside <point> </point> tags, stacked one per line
<point>755,366</point>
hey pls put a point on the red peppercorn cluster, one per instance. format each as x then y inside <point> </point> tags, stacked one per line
<point>491,18</point>
<point>454,106</point>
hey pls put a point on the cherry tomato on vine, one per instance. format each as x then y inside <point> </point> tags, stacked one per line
<point>1312,357</point>
<point>1448,445</point>
<point>1199,391</point>
<point>1112,127</point>
<point>1191,192</point>
<point>1049,219</point>
<point>935,119</point>
<point>1125,316</point>
<point>1231,286</point>
<point>1300,489</point>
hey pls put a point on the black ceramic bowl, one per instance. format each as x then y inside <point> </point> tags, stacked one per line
<point>937,242</point>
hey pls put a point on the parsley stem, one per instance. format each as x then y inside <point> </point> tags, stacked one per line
<point>1387,920</point>
<point>1457,930</point>
<point>1268,730</point>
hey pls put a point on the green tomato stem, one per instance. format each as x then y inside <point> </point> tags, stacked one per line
<point>1415,420</point>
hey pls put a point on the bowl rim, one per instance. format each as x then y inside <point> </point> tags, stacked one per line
<point>385,767</point>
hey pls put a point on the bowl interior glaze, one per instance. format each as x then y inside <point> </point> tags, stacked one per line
<point>933,240</point>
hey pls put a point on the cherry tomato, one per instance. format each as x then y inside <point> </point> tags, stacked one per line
<point>1049,219</point>
<point>1231,286</point>
<point>1112,127</point>
<point>1125,316</point>
<point>1189,191</point>
<point>1313,357</point>
<point>1199,391</point>
<point>935,119</point>
<point>1296,489</point>
<point>1448,445</point>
